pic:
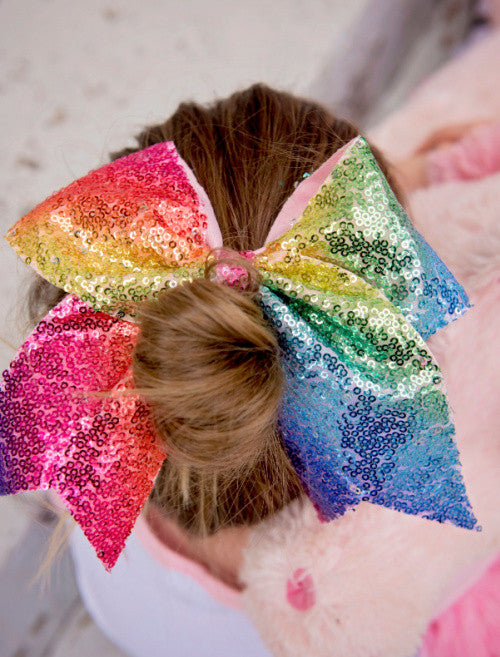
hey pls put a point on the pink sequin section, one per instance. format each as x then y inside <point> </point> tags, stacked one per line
<point>100,454</point>
<point>300,591</point>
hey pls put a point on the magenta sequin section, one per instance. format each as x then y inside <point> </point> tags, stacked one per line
<point>100,454</point>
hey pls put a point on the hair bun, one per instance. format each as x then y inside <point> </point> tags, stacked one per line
<point>209,365</point>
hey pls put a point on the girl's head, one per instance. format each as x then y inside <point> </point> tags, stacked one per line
<point>206,359</point>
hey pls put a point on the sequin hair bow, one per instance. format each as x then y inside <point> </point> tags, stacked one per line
<point>350,287</point>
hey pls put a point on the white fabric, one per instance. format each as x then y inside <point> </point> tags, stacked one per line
<point>151,611</point>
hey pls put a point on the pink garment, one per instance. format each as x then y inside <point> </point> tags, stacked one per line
<point>471,627</point>
<point>474,156</point>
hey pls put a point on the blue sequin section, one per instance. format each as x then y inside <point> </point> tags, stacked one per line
<point>352,440</point>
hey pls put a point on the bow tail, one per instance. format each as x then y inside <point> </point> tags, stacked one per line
<point>355,434</point>
<point>98,452</point>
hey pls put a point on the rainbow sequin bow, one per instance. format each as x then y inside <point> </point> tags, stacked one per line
<point>349,285</point>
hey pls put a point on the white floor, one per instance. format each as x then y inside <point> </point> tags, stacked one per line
<point>77,80</point>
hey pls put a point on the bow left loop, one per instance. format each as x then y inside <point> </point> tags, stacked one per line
<point>121,233</point>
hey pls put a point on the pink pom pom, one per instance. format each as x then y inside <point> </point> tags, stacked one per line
<point>300,591</point>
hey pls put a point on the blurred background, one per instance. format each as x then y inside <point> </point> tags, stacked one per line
<point>79,79</point>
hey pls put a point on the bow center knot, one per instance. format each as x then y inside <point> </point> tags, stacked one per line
<point>231,270</point>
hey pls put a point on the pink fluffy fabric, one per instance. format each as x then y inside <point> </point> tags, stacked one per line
<point>465,89</point>
<point>376,583</point>
<point>475,156</point>
<point>472,625</point>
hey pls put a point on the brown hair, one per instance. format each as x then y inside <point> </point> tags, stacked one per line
<point>207,360</point>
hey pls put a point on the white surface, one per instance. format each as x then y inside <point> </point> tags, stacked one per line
<point>82,638</point>
<point>14,522</point>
